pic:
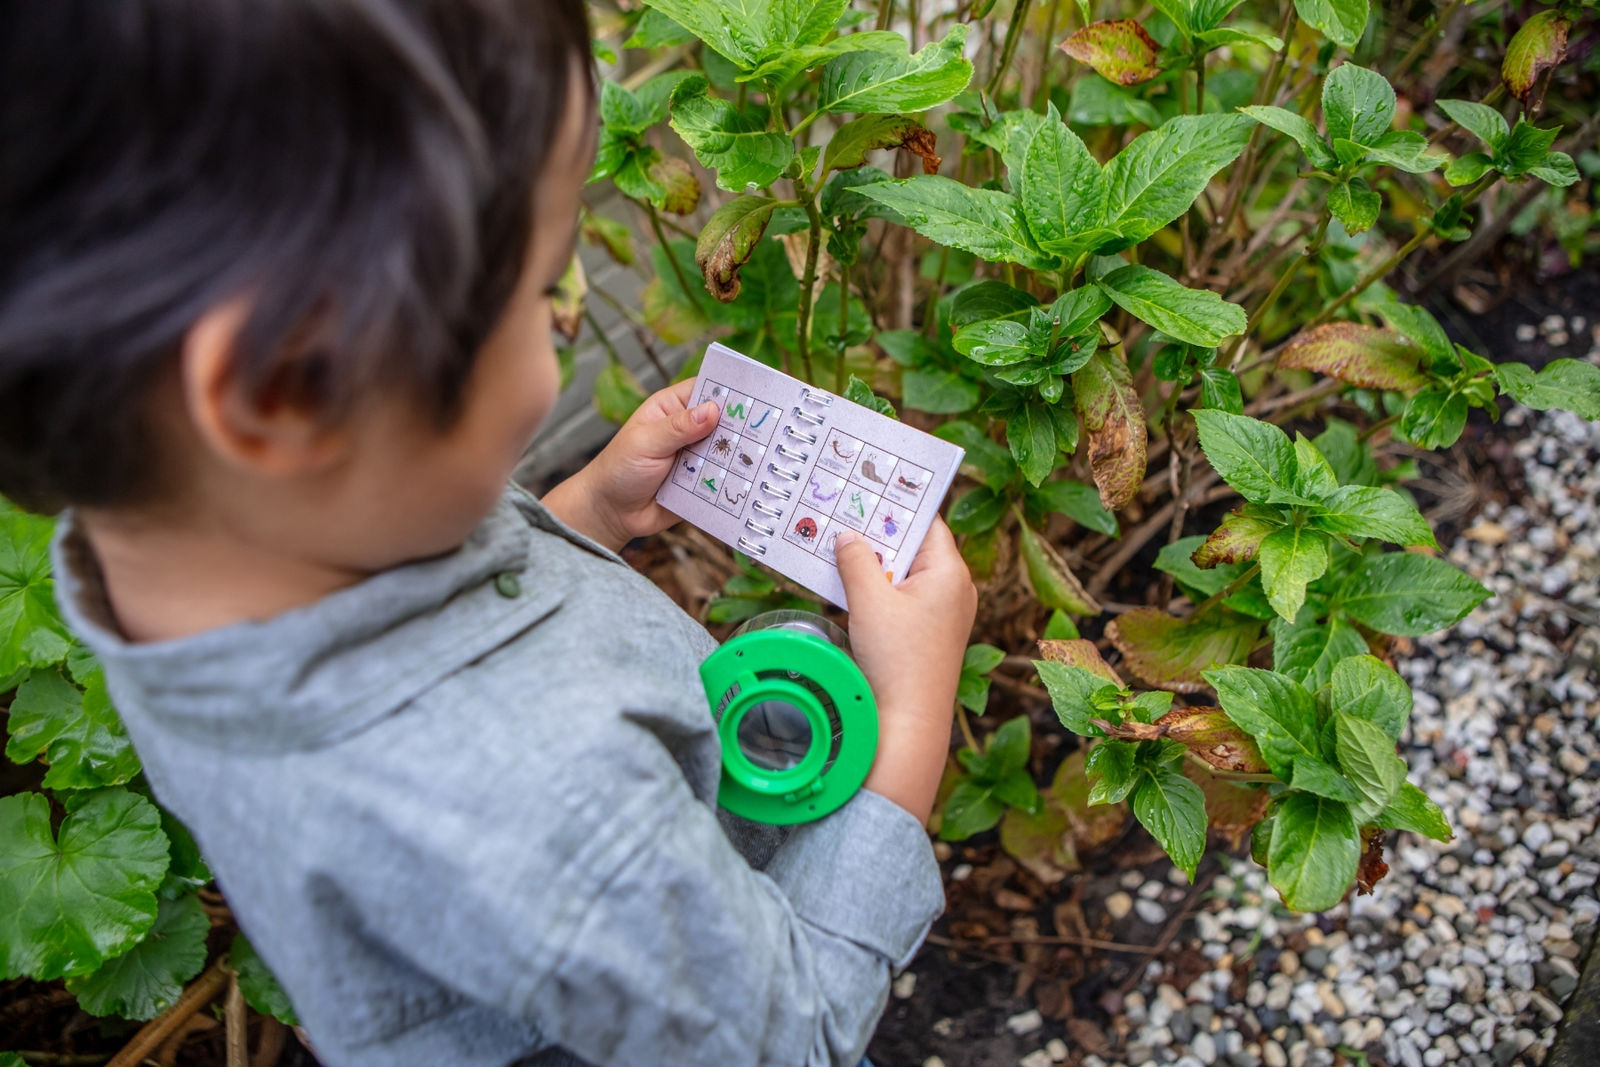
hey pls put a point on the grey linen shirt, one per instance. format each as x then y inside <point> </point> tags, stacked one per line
<point>465,810</point>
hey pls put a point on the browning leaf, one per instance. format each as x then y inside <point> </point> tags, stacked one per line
<point>728,240</point>
<point>1215,738</point>
<point>1119,50</point>
<point>1052,581</point>
<point>920,142</point>
<point>1536,48</point>
<point>1109,410</point>
<point>1079,653</point>
<point>567,302</point>
<point>682,194</point>
<point>1232,808</point>
<point>1361,355</point>
<point>1372,868</point>
<point>1170,653</point>
<point>1233,541</point>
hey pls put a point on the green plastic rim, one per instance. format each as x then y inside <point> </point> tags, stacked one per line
<point>809,673</point>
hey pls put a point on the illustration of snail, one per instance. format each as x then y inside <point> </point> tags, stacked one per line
<point>869,473</point>
<point>806,528</point>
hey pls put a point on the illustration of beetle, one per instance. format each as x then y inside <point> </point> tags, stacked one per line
<point>907,485</point>
<point>806,528</point>
<point>722,447</point>
<point>744,457</point>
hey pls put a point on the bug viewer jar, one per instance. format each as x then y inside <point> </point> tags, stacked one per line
<point>797,721</point>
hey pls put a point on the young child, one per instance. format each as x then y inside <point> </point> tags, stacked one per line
<point>274,330</point>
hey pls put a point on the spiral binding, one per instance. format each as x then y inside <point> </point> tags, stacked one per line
<point>788,453</point>
<point>800,435</point>
<point>747,545</point>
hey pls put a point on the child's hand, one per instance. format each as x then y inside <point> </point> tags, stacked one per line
<point>909,640</point>
<point>612,500</point>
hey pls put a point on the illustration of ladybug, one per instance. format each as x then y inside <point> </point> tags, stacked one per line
<point>806,528</point>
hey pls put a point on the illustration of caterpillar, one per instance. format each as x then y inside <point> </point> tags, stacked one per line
<point>841,455</point>
<point>869,473</point>
<point>806,528</point>
<point>908,485</point>
<point>722,447</point>
<point>816,492</point>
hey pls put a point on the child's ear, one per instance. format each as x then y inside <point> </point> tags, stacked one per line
<point>270,433</point>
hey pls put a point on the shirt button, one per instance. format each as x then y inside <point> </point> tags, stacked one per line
<point>506,584</point>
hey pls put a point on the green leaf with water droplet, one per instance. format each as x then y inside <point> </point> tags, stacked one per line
<point>148,978</point>
<point>76,731</point>
<point>1409,594</point>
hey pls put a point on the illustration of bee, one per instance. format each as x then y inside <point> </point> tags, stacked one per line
<point>806,528</point>
<point>722,447</point>
<point>907,485</point>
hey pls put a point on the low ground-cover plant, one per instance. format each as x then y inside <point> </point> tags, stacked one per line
<point>1151,246</point>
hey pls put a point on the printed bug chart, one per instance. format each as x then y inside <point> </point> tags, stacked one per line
<point>788,467</point>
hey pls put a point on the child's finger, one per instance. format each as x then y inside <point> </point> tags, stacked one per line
<point>663,437</point>
<point>859,569</point>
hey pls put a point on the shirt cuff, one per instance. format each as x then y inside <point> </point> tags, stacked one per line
<point>865,873</point>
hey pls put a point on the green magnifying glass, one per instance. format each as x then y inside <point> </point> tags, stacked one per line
<point>798,723</point>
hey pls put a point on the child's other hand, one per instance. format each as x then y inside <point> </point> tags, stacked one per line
<point>612,500</point>
<point>909,640</point>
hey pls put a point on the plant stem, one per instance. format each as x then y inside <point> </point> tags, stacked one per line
<point>844,325</point>
<point>1041,94</point>
<point>1382,424</point>
<point>599,332</point>
<point>1200,83</point>
<point>1019,15</point>
<point>640,331</point>
<point>1227,591</point>
<point>672,260</point>
<point>1313,247</point>
<point>1424,39</point>
<point>808,281</point>
<point>966,727</point>
<point>885,13</point>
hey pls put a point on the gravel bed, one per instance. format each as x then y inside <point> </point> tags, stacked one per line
<point>1467,950</point>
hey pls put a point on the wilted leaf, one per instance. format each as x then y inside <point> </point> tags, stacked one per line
<point>1538,46</point>
<point>1053,583</point>
<point>1119,50</point>
<point>1171,653</point>
<point>849,146</point>
<point>566,303</point>
<point>1360,355</point>
<point>1041,842</point>
<point>728,239</point>
<point>1079,653</point>
<point>1111,415</point>
<point>613,236</point>
<point>1232,808</point>
<point>1215,738</point>
<point>1235,539</point>
<point>1372,868</point>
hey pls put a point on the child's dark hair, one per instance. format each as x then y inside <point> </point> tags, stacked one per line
<point>358,172</point>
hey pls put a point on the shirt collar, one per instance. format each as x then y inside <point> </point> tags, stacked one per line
<point>304,678</point>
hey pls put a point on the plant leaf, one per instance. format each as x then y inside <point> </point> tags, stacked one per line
<point>1435,417</point>
<point>1540,44</point>
<point>976,511</point>
<point>76,731</point>
<point>1357,103</point>
<point>1031,433</point>
<point>859,392</point>
<point>1341,21</point>
<point>1077,652</point>
<point>1409,594</point>
<point>940,392</point>
<point>148,978</point>
<point>1481,120</point>
<point>31,632</point>
<point>1297,127</point>
<point>848,147</point>
<point>1254,457</point>
<point>1078,502</point>
<point>71,901</point>
<point>1110,413</point>
<point>1215,738</point>
<point>1071,690</point>
<point>1111,773</point>
<point>884,83</point>
<point>1562,383</point>
<point>1053,583</point>
<point>1361,355</point>
<point>617,393</point>
<point>1308,651</point>
<point>258,985</point>
<point>1367,757</point>
<point>1364,687</point>
<point>1062,188</point>
<point>1173,809</point>
<point>1235,539</point>
<point>1354,204</point>
<point>1119,50</point>
<point>1314,851</point>
<point>734,143</point>
<point>1197,316</point>
<point>1275,710</point>
<point>1412,810</point>
<point>1163,171</point>
<point>1172,653</point>
<point>728,239</point>
<point>985,222</point>
<point>971,808</point>
<point>1365,511</point>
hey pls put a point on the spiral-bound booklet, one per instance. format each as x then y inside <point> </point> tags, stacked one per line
<point>789,466</point>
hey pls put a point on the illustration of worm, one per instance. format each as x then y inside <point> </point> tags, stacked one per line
<point>869,473</point>
<point>734,499</point>
<point>816,492</point>
<point>806,528</point>
<point>757,424</point>
<point>904,484</point>
<point>842,455</point>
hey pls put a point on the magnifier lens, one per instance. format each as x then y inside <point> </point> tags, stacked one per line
<point>774,735</point>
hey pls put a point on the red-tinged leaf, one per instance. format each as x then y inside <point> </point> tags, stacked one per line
<point>682,187</point>
<point>1232,808</point>
<point>1215,738</point>
<point>1364,356</point>
<point>1109,411</point>
<point>1079,653</point>
<point>1053,583</point>
<point>1171,653</point>
<point>1372,868</point>
<point>1233,541</point>
<point>1118,49</point>
<point>1048,844</point>
<point>727,241</point>
<point>1537,47</point>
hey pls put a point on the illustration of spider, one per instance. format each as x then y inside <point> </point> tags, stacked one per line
<point>722,447</point>
<point>841,455</point>
<point>907,485</point>
<point>806,528</point>
<point>816,491</point>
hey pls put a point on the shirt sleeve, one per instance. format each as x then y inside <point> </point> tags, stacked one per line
<point>614,913</point>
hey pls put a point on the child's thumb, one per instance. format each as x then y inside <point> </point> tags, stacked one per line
<point>859,568</point>
<point>663,437</point>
